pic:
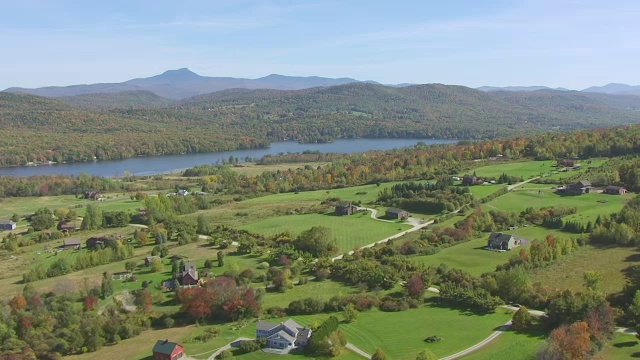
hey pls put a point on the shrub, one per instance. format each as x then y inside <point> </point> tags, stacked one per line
<point>433,339</point>
<point>248,346</point>
<point>168,322</point>
<point>263,266</point>
<point>226,354</point>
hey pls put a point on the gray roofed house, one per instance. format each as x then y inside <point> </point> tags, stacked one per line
<point>189,274</point>
<point>395,213</point>
<point>285,336</point>
<point>71,243</point>
<point>7,225</point>
<point>503,242</point>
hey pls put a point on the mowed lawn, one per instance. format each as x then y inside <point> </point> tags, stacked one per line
<point>401,334</point>
<point>350,232</point>
<point>511,345</point>
<point>589,205</point>
<point>614,263</point>
<point>622,347</point>
<point>469,256</point>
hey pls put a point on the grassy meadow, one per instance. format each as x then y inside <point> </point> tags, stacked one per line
<point>350,232</point>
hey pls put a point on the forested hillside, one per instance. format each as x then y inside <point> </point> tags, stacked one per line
<point>115,126</point>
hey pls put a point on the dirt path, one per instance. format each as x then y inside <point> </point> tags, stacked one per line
<point>357,350</point>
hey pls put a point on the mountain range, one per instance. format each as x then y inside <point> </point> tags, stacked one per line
<point>184,83</point>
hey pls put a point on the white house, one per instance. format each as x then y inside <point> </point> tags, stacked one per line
<point>286,335</point>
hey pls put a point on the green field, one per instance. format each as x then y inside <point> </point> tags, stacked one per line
<point>614,263</point>
<point>622,347</point>
<point>589,205</point>
<point>524,169</point>
<point>401,334</point>
<point>28,205</point>
<point>323,290</point>
<point>511,345</point>
<point>368,194</point>
<point>350,231</point>
<point>469,256</point>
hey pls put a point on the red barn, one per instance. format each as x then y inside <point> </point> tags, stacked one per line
<point>166,350</point>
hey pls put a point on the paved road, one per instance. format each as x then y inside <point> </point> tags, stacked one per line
<point>479,345</point>
<point>511,187</point>
<point>227,347</point>
<point>358,351</point>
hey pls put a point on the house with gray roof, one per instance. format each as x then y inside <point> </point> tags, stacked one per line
<point>285,336</point>
<point>503,242</point>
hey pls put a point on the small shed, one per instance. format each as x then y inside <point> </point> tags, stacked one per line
<point>167,350</point>
<point>7,225</point>
<point>615,190</point>
<point>66,226</point>
<point>395,213</point>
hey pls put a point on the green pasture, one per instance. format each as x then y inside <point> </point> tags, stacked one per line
<point>482,191</point>
<point>524,169</point>
<point>28,205</point>
<point>323,290</point>
<point>589,205</point>
<point>350,232</point>
<point>616,264</point>
<point>401,334</point>
<point>470,256</point>
<point>622,347</point>
<point>511,345</point>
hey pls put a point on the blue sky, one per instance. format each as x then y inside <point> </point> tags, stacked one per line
<point>573,44</point>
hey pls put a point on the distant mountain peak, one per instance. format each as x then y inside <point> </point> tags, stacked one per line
<point>180,73</point>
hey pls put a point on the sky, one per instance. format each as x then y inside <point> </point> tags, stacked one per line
<point>558,43</point>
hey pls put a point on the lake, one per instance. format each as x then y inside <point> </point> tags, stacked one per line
<point>172,163</point>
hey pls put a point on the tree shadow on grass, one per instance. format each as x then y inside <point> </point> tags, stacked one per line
<point>625,344</point>
<point>435,303</point>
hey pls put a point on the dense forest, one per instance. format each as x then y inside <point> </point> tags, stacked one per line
<point>116,126</point>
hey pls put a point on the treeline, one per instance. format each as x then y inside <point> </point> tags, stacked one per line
<point>431,198</point>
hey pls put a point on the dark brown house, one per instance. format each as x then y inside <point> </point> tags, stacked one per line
<point>579,188</point>
<point>189,274</point>
<point>469,180</point>
<point>96,242</point>
<point>568,162</point>
<point>167,350</point>
<point>66,226</point>
<point>92,195</point>
<point>395,213</point>
<point>346,208</point>
<point>615,190</point>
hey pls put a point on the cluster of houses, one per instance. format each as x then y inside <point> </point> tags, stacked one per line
<point>585,187</point>
<point>94,242</point>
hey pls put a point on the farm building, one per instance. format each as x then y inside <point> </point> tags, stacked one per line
<point>167,350</point>
<point>287,335</point>
<point>96,242</point>
<point>345,208</point>
<point>579,188</point>
<point>189,274</point>
<point>395,213</point>
<point>501,242</point>
<point>615,190</point>
<point>7,225</point>
<point>71,244</point>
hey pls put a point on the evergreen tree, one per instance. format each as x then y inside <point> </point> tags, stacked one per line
<point>106,288</point>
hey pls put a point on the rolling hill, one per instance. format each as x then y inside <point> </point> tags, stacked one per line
<point>115,126</point>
